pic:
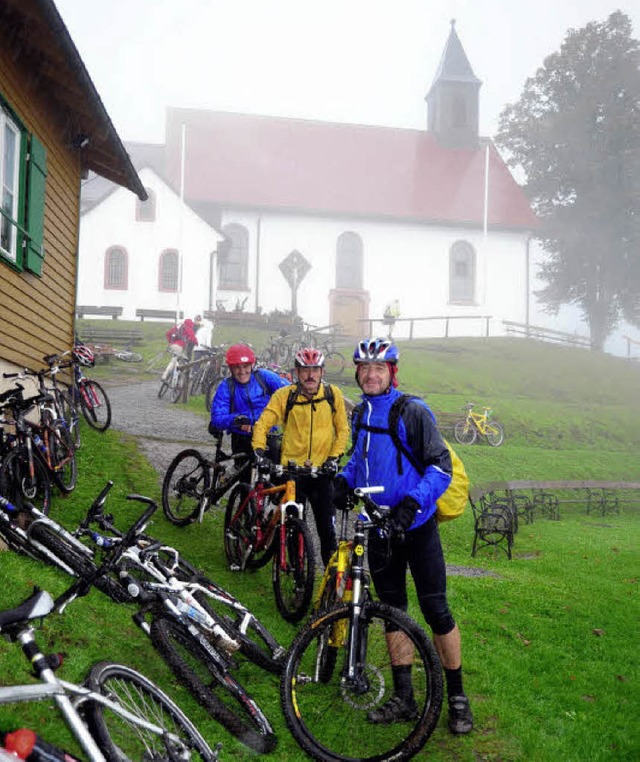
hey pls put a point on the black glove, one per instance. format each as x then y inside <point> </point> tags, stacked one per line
<point>260,459</point>
<point>241,420</point>
<point>403,514</point>
<point>330,467</point>
<point>215,432</point>
<point>341,493</point>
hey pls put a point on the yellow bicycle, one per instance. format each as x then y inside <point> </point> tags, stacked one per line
<point>466,430</point>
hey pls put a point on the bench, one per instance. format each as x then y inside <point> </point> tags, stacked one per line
<point>105,336</point>
<point>159,314</point>
<point>499,507</point>
<point>112,312</point>
<point>446,422</point>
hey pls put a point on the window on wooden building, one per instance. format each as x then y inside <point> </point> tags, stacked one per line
<point>23,174</point>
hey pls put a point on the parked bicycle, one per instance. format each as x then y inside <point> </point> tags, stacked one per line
<point>257,530</point>
<point>88,394</point>
<point>174,379</point>
<point>47,442</point>
<point>340,663</point>
<point>193,484</point>
<point>117,713</point>
<point>467,429</point>
<point>176,610</point>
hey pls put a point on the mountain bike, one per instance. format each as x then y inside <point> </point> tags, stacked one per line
<point>174,379</point>
<point>466,430</point>
<point>257,530</point>
<point>64,397</point>
<point>117,713</point>
<point>193,484</point>
<point>92,399</point>
<point>176,610</point>
<point>340,663</point>
<point>47,442</point>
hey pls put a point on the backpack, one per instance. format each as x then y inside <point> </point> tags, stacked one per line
<point>293,393</point>
<point>173,334</point>
<point>453,501</point>
<point>259,378</point>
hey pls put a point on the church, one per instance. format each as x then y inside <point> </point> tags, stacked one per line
<point>332,221</point>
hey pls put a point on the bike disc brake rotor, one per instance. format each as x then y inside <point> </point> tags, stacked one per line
<point>366,691</point>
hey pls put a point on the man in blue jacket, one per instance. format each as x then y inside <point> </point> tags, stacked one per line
<point>412,493</point>
<point>240,399</point>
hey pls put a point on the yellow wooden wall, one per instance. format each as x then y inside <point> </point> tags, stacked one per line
<point>37,313</point>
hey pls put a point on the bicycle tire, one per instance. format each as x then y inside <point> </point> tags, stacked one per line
<point>311,706</point>
<point>82,564</point>
<point>240,531</point>
<point>163,389</point>
<point>117,737</point>
<point>17,485</point>
<point>126,356</point>
<point>95,404</point>
<point>69,415</point>
<point>201,673</point>
<point>177,387</point>
<point>293,576</point>
<point>327,651</point>
<point>334,363</point>
<point>464,432</point>
<point>185,485</point>
<point>63,457</point>
<point>494,432</point>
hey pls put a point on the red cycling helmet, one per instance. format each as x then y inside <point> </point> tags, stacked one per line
<point>83,355</point>
<point>238,354</point>
<point>309,357</point>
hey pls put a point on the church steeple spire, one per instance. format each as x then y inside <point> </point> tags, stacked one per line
<point>453,99</point>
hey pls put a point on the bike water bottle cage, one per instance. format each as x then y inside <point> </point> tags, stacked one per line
<point>376,350</point>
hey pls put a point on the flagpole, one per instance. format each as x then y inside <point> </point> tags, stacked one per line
<point>485,222</point>
<point>180,219</point>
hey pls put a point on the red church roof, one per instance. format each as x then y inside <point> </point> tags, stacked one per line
<point>339,169</point>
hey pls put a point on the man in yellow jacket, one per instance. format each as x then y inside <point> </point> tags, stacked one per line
<point>315,432</point>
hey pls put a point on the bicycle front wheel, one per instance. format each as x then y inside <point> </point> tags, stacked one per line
<point>311,705</point>
<point>96,407</point>
<point>205,674</point>
<point>120,738</point>
<point>334,364</point>
<point>63,457</point>
<point>244,544</point>
<point>70,415</point>
<point>494,432</point>
<point>18,485</point>
<point>177,386</point>
<point>293,570</point>
<point>184,486</point>
<point>464,432</point>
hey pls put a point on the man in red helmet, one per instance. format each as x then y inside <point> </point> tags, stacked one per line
<point>240,399</point>
<point>315,432</point>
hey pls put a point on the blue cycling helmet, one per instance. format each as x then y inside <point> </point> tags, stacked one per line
<point>376,350</point>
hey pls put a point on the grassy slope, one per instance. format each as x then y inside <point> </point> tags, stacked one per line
<point>548,656</point>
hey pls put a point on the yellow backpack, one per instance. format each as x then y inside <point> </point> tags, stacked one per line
<point>452,503</point>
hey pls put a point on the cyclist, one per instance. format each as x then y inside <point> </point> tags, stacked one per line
<point>182,339</point>
<point>315,432</point>
<point>412,495</point>
<point>240,399</point>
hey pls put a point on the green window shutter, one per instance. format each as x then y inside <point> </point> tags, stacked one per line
<point>36,182</point>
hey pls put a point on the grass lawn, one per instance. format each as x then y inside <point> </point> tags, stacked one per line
<point>549,638</point>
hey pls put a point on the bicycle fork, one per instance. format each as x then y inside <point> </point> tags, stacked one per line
<point>354,676</point>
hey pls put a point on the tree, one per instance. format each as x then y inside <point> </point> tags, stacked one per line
<point>575,134</point>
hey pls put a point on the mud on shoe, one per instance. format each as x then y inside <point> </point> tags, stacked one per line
<point>460,715</point>
<point>397,709</point>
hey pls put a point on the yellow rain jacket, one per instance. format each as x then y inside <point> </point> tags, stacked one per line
<point>313,431</point>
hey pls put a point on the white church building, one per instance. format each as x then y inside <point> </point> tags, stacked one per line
<point>331,220</point>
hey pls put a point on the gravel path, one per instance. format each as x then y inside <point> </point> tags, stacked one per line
<point>163,429</point>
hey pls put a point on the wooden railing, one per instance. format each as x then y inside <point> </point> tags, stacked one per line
<point>447,318</point>
<point>546,334</point>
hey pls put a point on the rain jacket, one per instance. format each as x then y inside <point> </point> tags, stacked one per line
<point>374,461</point>
<point>249,399</point>
<point>313,431</point>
